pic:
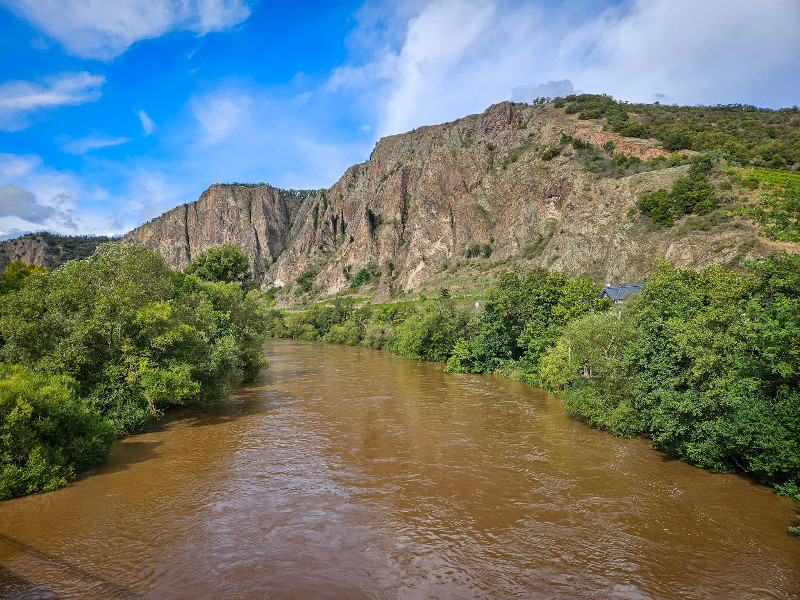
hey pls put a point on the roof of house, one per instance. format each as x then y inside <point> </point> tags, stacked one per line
<point>618,293</point>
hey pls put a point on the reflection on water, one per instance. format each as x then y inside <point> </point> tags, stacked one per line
<point>351,473</point>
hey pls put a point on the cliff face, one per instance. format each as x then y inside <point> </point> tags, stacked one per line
<point>47,249</point>
<point>426,197</point>
<point>255,218</point>
<point>30,249</point>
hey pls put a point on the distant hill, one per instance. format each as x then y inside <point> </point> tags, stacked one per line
<point>48,249</point>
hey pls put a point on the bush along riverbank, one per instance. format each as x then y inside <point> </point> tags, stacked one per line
<point>706,363</point>
<point>102,346</point>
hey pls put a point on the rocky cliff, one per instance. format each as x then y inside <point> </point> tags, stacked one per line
<point>258,219</point>
<point>47,249</point>
<point>428,201</point>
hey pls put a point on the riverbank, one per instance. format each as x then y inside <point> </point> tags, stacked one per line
<point>703,363</point>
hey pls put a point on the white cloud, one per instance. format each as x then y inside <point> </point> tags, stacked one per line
<point>452,58</point>
<point>12,233</point>
<point>147,123</point>
<point>14,166</point>
<point>19,99</point>
<point>103,30</point>
<point>222,115</point>
<point>35,197</point>
<point>93,142</point>
<point>710,52</point>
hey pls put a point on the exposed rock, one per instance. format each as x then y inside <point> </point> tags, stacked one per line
<point>426,196</point>
<point>47,249</point>
<point>643,149</point>
<point>255,218</point>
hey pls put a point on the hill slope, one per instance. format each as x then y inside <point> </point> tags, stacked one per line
<point>448,204</point>
<point>48,249</point>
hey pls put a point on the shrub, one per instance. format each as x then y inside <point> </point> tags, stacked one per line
<point>48,434</point>
<point>221,263</point>
<point>511,158</point>
<point>348,333</point>
<point>377,335</point>
<point>551,153</point>
<point>306,279</point>
<point>431,331</point>
<point>689,195</point>
<point>363,276</point>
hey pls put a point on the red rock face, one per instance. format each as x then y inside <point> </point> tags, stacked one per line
<point>643,149</point>
<point>425,196</point>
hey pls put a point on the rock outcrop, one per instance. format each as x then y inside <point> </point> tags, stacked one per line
<point>258,219</point>
<point>427,198</point>
<point>47,249</point>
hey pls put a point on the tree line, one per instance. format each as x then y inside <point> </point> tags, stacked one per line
<point>100,347</point>
<point>705,363</point>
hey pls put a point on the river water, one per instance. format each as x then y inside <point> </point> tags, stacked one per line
<point>352,473</point>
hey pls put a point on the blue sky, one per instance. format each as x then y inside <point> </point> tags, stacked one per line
<point>113,111</point>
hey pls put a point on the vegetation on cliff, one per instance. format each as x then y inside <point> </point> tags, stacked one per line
<point>557,184</point>
<point>286,193</point>
<point>689,195</point>
<point>778,210</point>
<point>750,135</point>
<point>100,347</point>
<point>225,264</point>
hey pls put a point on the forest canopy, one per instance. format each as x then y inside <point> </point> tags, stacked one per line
<point>101,346</point>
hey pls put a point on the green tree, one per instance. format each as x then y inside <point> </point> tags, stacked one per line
<point>225,264</point>
<point>46,433</point>
<point>589,366</point>
<point>108,343</point>
<point>15,274</point>
<point>431,331</point>
<point>137,337</point>
<point>778,211</point>
<point>717,367</point>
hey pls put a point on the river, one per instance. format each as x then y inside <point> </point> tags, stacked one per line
<point>353,473</point>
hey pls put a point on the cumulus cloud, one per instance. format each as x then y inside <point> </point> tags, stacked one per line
<point>12,233</point>
<point>19,207</point>
<point>36,197</point>
<point>103,30</point>
<point>20,99</point>
<point>93,142</point>
<point>711,52</point>
<point>450,58</point>
<point>17,202</point>
<point>147,123</point>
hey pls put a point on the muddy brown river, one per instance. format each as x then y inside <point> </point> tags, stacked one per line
<point>352,473</point>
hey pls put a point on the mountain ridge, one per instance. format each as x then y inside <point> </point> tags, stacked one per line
<point>548,184</point>
<point>426,197</point>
